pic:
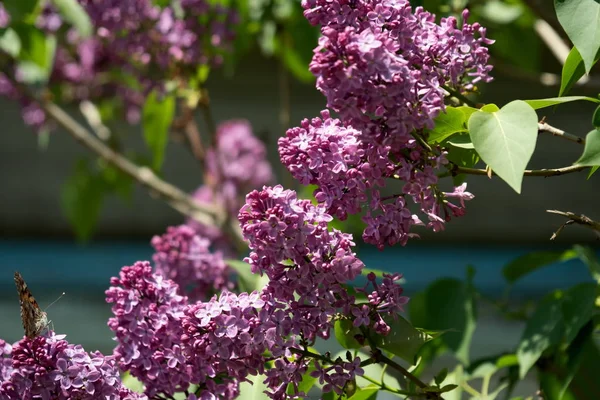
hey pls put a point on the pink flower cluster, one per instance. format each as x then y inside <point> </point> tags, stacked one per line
<point>235,165</point>
<point>384,69</point>
<point>185,258</point>
<point>48,367</point>
<point>136,45</point>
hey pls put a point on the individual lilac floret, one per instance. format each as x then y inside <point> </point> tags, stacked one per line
<point>146,322</point>
<point>48,367</point>
<point>185,258</point>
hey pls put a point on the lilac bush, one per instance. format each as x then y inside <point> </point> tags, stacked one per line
<point>179,323</point>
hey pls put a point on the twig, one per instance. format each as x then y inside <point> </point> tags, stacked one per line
<point>456,169</point>
<point>544,127</point>
<point>552,39</point>
<point>460,96</point>
<point>174,196</point>
<point>575,219</point>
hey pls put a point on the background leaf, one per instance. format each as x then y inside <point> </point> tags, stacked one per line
<point>543,329</point>
<point>577,307</point>
<point>82,198</point>
<point>530,262</point>
<point>157,116</point>
<point>581,20</point>
<point>74,14</point>
<point>447,305</point>
<point>505,140</point>
<point>404,340</point>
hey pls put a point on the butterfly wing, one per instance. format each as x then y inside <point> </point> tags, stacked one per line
<point>33,318</point>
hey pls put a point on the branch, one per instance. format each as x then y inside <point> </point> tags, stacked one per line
<point>575,219</point>
<point>544,127</point>
<point>174,196</point>
<point>456,169</point>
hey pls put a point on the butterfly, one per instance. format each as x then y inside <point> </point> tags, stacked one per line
<point>34,319</point>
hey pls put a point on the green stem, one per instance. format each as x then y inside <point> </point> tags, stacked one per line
<point>383,386</point>
<point>460,96</point>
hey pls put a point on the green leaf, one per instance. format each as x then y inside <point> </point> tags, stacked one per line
<point>588,257</point>
<point>247,281</point>
<point>591,151</point>
<point>530,262</point>
<point>36,55</point>
<point>441,376</point>
<point>505,140</point>
<point>461,141</point>
<point>345,332</point>
<point>255,388</point>
<point>404,340</point>
<point>447,124</point>
<point>581,21</point>
<point>132,383</point>
<point>74,14</point>
<point>577,308</point>
<point>544,329</point>
<point>20,10</point>
<point>536,104</point>
<point>500,12</point>
<point>82,197</point>
<point>593,171</point>
<point>157,116</point>
<point>10,42</point>
<point>572,71</point>
<point>369,393</point>
<point>448,305</point>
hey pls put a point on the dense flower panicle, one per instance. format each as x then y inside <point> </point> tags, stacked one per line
<point>48,367</point>
<point>185,258</point>
<point>384,68</point>
<point>146,322</point>
<point>237,164</point>
<point>226,338</point>
<point>133,41</point>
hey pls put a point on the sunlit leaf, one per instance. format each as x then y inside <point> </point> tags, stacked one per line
<point>544,329</point>
<point>581,20</point>
<point>74,14</point>
<point>505,140</point>
<point>157,116</point>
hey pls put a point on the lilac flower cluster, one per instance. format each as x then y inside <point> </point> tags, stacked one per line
<point>147,312</point>
<point>48,367</point>
<point>384,69</point>
<point>307,265</point>
<point>235,165</point>
<point>135,47</point>
<point>185,258</point>
<point>209,347</point>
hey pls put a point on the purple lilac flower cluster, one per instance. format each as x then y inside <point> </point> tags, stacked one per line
<point>384,69</point>
<point>207,348</point>
<point>147,312</point>
<point>48,367</point>
<point>134,41</point>
<point>185,258</point>
<point>235,165</point>
<point>307,265</point>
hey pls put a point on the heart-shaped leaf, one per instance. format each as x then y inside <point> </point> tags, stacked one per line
<point>506,139</point>
<point>581,20</point>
